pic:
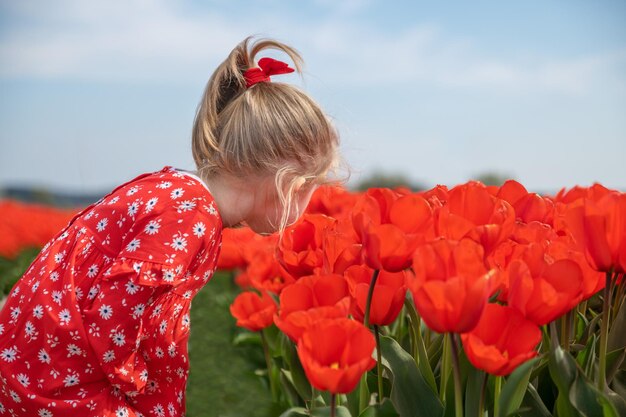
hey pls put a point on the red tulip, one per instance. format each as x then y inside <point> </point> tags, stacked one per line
<point>528,206</point>
<point>252,311</point>
<point>373,207</point>
<point>242,279</point>
<point>341,247</point>
<point>266,274</point>
<point>388,296</point>
<point>300,250</point>
<point>412,214</point>
<point>593,281</point>
<point>387,247</point>
<point>436,196</point>
<point>501,341</point>
<point>595,192</point>
<point>310,299</point>
<point>599,228</point>
<point>544,291</point>
<point>451,285</point>
<point>548,244</point>
<point>233,243</point>
<point>332,201</point>
<point>336,353</point>
<point>472,211</point>
<point>391,226</point>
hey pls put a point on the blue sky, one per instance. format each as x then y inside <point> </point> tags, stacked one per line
<point>94,93</point>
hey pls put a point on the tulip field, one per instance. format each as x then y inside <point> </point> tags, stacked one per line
<point>470,301</point>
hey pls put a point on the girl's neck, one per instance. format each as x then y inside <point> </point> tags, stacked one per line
<point>233,198</point>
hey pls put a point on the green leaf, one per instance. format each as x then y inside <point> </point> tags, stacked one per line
<point>562,368</point>
<point>282,343</point>
<point>340,411</point>
<point>300,381</point>
<point>514,389</point>
<point>385,409</point>
<point>563,372</point>
<point>473,391</point>
<point>533,404</point>
<point>590,329</point>
<point>246,338</point>
<point>540,367</point>
<point>424,364</point>
<point>613,361</point>
<point>273,340</point>
<point>617,335</point>
<point>564,407</point>
<point>288,388</point>
<point>295,412</point>
<point>320,399</point>
<point>577,395</point>
<point>410,394</point>
<point>586,357</point>
<point>435,350</point>
<point>581,325</point>
<point>422,355</point>
<point>352,400</point>
<point>618,401</point>
<point>449,407</point>
<point>589,401</point>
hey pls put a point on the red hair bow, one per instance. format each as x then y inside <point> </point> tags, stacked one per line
<point>267,67</point>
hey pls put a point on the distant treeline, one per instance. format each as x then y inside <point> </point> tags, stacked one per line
<point>67,199</point>
<point>49,197</point>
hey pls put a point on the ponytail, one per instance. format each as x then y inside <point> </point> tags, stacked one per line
<point>268,128</point>
<point>226,84</point>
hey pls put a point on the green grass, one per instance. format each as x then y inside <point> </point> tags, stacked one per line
<point>222,382</point>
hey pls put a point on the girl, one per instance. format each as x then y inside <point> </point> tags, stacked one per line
<point>98,325</point>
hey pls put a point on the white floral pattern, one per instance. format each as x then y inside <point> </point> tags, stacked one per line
<point>98,325</point>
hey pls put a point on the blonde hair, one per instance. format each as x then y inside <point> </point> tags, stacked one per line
<point>271,128</point>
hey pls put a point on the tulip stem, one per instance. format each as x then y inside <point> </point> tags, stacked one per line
<point>379,365</point>
<point>415,328</point>
<point>268,361</point>
<point>566,323</point>
<point>363,393</point>
<point>370,294</point>
<point>313,398</point>
<point>444,369</point>
<point>496,395</point>
<point>413,337</point>
<point>458,393</point>
<point>619,295</point>
<point>483,390</point>
<point>582,309</point>
<point>399,328</point>
<point>333,405</point>
<point>604,330</point>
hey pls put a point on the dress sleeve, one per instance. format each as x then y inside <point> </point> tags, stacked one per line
<point>176,240</point>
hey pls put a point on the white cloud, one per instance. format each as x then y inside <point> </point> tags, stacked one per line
<point>424,54</point>
<point>134,40</point>
<point>159,41</point>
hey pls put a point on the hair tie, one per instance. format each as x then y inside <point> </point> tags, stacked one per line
<point>267,67</point>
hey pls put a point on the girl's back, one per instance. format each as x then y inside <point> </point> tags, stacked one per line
<point>119,277</point>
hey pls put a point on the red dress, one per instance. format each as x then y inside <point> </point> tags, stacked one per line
<point>98,325</point>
